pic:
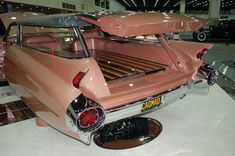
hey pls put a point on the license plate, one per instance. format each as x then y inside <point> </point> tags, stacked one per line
<point>151,104</point>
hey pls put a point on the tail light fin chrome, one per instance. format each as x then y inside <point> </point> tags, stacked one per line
<point>207,72</point>
<point>84,116</point>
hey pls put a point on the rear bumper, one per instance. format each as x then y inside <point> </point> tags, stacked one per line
<point>168,97</point>
<point>133,109</point>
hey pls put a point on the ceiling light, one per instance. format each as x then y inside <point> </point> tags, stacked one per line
<point>176,4</point>
<point>134,3</point>
<point>156,3</point>
<point>166,3</point>
<point>13,18</point>
<point>126,3</point>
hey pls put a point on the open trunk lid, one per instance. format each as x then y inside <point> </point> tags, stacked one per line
<point>140,23</point>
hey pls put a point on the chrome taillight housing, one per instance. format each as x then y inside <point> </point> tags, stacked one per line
<point>207,72</point>
<point>85,114</point>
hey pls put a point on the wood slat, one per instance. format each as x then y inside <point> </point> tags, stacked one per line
<point>115,73</point>
<point>119,64</point>
<point>108,76</point>
<point>130,60</point>
<point>123,63</point>
<point>115,68</point>
<point>136,59</point>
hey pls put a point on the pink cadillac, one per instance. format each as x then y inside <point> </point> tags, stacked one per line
<point>79,72</point>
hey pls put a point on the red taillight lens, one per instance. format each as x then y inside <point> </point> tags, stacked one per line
<point>201,53</point>
<point>77,79</point>
<point>88,117</point>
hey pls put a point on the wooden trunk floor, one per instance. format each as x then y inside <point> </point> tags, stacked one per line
<point>115,66</point>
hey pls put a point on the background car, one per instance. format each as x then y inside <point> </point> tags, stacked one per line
<point>223,29</point>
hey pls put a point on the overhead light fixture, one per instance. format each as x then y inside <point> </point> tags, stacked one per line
<point>134,3</point>
<point>176,4</point>
<point>13,18</point>
<point>166,3</point>
<point>156,3</point>
<point>126,3</point>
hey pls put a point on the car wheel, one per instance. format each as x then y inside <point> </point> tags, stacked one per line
<point>201,36</point>
<point>195,36</point>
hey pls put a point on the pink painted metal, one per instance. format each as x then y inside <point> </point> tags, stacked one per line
<point>45,82</point>
<point>142,23</point>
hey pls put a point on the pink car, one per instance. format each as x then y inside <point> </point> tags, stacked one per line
<point>78,72</point>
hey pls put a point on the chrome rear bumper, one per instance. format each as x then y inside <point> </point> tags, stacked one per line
<point>134,109</point>
<point>168,97</point>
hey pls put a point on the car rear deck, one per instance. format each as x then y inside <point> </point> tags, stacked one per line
<point>115,66</point>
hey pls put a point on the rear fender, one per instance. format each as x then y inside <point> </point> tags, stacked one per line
<point>190,48</point>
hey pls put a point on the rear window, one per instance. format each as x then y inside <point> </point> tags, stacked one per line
<point>61,42</point>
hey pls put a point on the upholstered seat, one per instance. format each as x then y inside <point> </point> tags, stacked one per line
<point>44,41</point>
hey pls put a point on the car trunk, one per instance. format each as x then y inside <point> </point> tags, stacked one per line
<point>123,62</point>
<point>115,66</point>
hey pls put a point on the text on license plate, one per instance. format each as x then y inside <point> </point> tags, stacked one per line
<point>150,104</point>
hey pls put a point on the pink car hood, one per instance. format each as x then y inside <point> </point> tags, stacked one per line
<point>139,23</point>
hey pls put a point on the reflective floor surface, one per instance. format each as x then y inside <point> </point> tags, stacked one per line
<point>196,125</point>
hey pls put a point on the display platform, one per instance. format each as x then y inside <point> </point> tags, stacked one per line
<point>198,125</point>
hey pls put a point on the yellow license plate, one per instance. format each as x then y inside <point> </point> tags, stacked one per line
<point>150,104</point>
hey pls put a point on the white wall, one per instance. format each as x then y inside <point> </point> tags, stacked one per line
<point>89,5</point>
